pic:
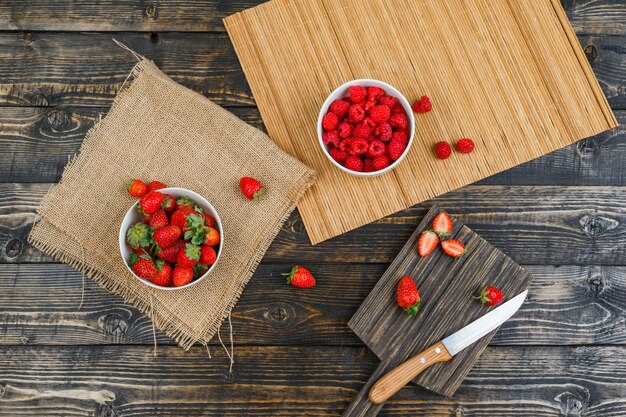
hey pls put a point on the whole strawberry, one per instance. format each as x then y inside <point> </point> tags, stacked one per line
<point>207,255</point>
<point>169,203</point>
<point>163,276</point>
<point>143,266</point>
<point>490,296</point>
<point>179,217</point>
<point>182,275</point>
<point>408,297</point>
<point>423,105</point>
<point>137,188</point>
<point>170,254</point>
<point>251,188</point>
<point>189,256</point>
<point>156,185</point>
<point>184,201</point>
<point>300,277</point>
<point>212,236</point>
<point>138,236</point>
<point>166,236</point>
<point>151,202</point>
<point>158,219</point>
<point>209,220</point>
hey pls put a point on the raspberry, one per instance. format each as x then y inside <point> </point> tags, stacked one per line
<point>344,129</point>
<point>443,150</point>
<point>375,93</point>
<point>354,163</point>
<point>340,108</point>
<point>338,155</point>
<point>368,121</point>
<point>384,132</point>
<point>423,105</point>
<point>388,101</point>
<point>331,137</point>
<point>361,130</point>
<point>368,165</point>
<point>465,145</point>
<point>376,148</point>
<point>397,109</point>
<point>380,114</point>
<point>398,120</point>
<point>356,113</point>
<point>344,145</point>
<point>369,103</point>
<point>330,121</point>
<point>359,146</point>
<point>381,162</point>
<point>401,135</point>
<point>357,93</point>
<point>395,149</point>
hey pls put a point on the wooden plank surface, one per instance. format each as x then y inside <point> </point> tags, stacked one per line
<point>567,305</point>
<point>126,381</point>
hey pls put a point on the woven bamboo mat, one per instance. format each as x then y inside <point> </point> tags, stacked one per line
<point>510,74</point>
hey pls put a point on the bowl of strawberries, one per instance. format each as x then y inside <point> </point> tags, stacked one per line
<point>366,127</point>
<point>171,238</point>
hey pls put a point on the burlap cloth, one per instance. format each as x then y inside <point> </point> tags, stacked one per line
<point>160,130</point>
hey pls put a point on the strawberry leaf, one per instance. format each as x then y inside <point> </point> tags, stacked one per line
<point>133,258</point>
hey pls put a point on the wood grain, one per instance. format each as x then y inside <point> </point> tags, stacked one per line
<point>566,305</point>
<point>126,381</point>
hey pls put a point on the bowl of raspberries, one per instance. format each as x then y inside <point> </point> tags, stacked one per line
<point>171,238</point>
<point>366,127</point>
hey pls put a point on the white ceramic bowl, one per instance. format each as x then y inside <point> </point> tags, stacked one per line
<point>341,92</point>
<point>133,216</point>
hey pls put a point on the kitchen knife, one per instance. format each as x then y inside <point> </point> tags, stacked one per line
<point>443,350</point>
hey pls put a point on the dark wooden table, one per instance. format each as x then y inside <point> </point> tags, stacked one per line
<point>563,216</point>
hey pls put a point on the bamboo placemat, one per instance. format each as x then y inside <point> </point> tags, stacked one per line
<point>510,74</point>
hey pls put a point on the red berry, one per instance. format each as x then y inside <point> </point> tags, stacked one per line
<point>453,248</point>
<point>345,129</point>
<point>170,254</point>
<point>376,148</point>
<point>156,185</point>
<point>344,145</point>
<point>330,121</point>
<point>407,296</point>
<point>143,267</point>
<point>340,108</point>
<point>399,120</point>
<point>359,146</point>
<point>490,296</point>
<point>375,93</point>
<point>384,132</point>
<point>212,236</point>
<point>369,122</point>
<point>357,93</point>
<point>368,165</point>
<point>331,137</point>
<point>465,145</point>
<point>395,149</point>
<point>166,236</point>
<point>169,203</point>
<point>442,224</point>
<point>158,219</point>
<point>380,114</point>
<point>251,188</point>
<point>354,163</point>
<point>300,277</point>
<point>369,103</point>
<point>151,202</point>
<point>397,109</point>
<point>361,130</point>
<point>356,113</point>
<point>209,220</point>
<point>427,242</point>
<point>163,276</point>
<point>388,101</point>
<point>182,275</point>
<point>137,188</point>
<point>443,150</point>
<point>423,105</point>
<point>207,255</point>
<point>338,155</point>
<point>400,134</point>
<point>381,162</point>
<point>188,256</point>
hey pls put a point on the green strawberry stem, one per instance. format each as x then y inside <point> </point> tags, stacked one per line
<point>413,310</point>
<point>290,274</point>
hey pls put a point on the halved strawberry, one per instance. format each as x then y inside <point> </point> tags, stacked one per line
<point>442,225</point>
<point>427,242</point>
<point>453,248</point>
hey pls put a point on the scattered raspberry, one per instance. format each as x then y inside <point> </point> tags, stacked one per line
<point>384,132</point>
<point>354,163</point>
<point>345,129</point>
<point>330,121</point>
<point>338,155</point>
<point>375,93</point>
<point>381,162</point>
<point>401,134</point>
<point>397,109</point>
<point>340,108</point>
<point>388,101</point>
<point>356,113</point>
<point>465,145</point>
<point>398,120</point>
<point>361,130</point>
<point>376,148</point>
<point>380,114</point>
<point>359,146</point>
<point>423,105</point>
<point>395,149</point>
<point>443,150</point>
<point>357,93</point>
<point>331,137</point>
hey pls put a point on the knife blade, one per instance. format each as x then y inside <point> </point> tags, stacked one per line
<point>444,350</point>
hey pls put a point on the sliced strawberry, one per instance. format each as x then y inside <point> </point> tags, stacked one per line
<point>453,248</point>
<point>427,242</point>
<point>442,225</point>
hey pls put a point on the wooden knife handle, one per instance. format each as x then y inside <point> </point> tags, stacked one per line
<point>395,379</point>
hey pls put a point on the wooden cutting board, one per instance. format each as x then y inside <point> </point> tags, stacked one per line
<point>510,74</point>
<point>446,286</point>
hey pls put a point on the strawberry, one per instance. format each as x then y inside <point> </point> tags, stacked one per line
<point>182,275</point>
<point>170,254</point>
<point>138,236</point>
<point>169,203</point>
<point>300,277</point>
<point>427,242</point>
<point>163,276</point>
<point>166,236</point>
<point>251,188</point>
<point>395,149</point>
<point>423,105</point>
<point>443,150</point>
<point>453,248</point>
<point>189,256</point>
<point>150,202</point>
<point>209,220</point>
<point>490,296</point>
<point>442,224</point>
<point>212,236</point>
<point>465,145</point>
<point>156,185</point>
<point>184,201</point>
<point>158,219</point>
<point>137,188</point>
<point>207,255</point>
<point>408,296</point>
<point>143,266</point>
<point>179,217</point>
